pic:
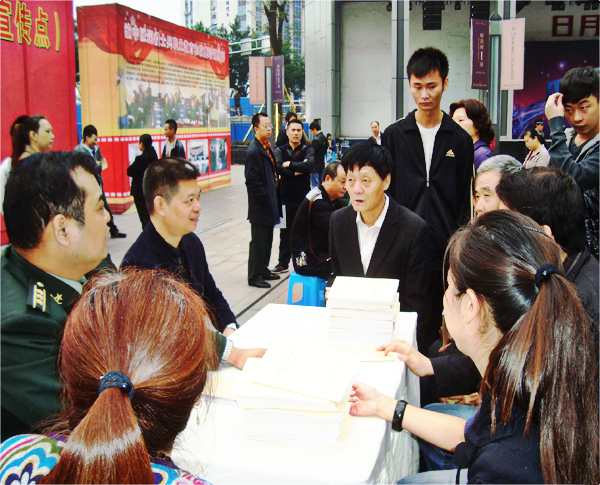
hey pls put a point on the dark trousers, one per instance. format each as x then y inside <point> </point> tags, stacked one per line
<point>142,210</point>
<point>291,208</point>
<point>260,252</point>
<point>111,224</point>
<point>431,332</point>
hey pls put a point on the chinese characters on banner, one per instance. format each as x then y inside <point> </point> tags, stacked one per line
<point>257,80</point>
<point>278,82</point>
<point>16,24</point>
<point>480,52</point>
<point>513,54</point>
<point>157,38</point>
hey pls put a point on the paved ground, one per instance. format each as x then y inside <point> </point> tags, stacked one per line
<point>225,233</point>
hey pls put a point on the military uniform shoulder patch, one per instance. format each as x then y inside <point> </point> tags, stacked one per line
<point>37,297</point>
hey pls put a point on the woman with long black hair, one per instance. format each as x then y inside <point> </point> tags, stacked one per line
<point>509,308</point>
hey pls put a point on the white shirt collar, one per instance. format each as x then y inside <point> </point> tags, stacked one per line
<point>379,221</point>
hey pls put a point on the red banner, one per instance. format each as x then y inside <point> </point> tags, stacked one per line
<point>38,68</point>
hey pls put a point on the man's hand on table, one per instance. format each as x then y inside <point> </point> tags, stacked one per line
<point>415,360</point>
<point>238,357</point>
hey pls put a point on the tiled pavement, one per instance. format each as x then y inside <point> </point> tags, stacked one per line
<point>225,233</point>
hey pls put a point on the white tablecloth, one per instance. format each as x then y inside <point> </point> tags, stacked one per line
<point>217,451</point>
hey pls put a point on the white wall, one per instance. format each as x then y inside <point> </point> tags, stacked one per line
<point>321,72</point>
<point>366,68</point>
<point>454,41</point>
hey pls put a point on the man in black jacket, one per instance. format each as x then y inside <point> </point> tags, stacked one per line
<point>378,238</point>
<point>309,240</point>
<point>433,163</point>
<point>320,145</point>
<point>264,203</point>
<point>173,147</point>
<point>168,243</point>
<point>294,165</point>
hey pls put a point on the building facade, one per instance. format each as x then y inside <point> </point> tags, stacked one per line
<point>214,13</point>
<point>356,54</point>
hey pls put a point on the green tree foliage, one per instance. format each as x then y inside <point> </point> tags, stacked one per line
<point>238,64</point>
<point>276,15</point>
<point>294,79</point>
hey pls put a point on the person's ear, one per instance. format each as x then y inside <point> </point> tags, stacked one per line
<point>160,205</point>
<point>446,84</point>
<point>548,231</point>
<point>469,307</point>
<point>386,181</point>
<point>61,230</point>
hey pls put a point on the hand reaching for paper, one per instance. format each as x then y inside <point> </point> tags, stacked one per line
<point>415,360</point>
<point>364,399</point>
<point>238,357</point>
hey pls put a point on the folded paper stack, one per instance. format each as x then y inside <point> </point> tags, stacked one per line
<point>363,310</point>
<point>298,392</point>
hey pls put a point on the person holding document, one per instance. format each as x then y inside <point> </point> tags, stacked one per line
<point>509,307</point>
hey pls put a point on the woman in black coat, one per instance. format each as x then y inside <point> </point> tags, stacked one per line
<point>136,171</point>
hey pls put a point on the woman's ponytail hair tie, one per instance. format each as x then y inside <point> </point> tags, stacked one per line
<point>116,378</point>
<point>544,272</point>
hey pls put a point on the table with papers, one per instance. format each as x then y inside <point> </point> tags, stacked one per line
<point>213,446</point>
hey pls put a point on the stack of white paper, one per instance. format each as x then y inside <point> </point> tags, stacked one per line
<point>297,392</point>
<point>363,309</point>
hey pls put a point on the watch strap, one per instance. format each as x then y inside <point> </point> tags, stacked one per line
<point>399,415</point>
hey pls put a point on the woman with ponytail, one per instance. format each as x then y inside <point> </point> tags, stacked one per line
<point>509,308</point>
<point>134,360</point>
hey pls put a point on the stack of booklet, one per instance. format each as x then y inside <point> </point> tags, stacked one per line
<point>363,310</point>
<point>298,392</point>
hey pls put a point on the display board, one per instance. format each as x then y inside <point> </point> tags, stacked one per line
<point>138,71</point>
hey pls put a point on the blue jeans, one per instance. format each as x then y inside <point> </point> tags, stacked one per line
<point>315,179</point>
<point>440,477</point>
<point>435,457</point>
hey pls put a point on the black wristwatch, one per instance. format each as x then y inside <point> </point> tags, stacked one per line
<point>399,415</point>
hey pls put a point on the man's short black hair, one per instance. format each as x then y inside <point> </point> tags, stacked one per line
<point>162,178</point>
<point>426,60</point>
<point>294,122</point>
<point>172,124</point>
<point>89,131</point>
<point>315,126</point>
<point>289,115</point>
<point>332,170</point>
<point>256,119</point>
<point>368,153</point>
<point>328,135</point>
<point>578,84</point>
<point>550,197</point>
<point>39,189</point>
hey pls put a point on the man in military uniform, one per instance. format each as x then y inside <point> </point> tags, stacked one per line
<point>57,224</point>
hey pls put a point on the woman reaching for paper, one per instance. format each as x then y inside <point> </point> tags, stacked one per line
<point>508,308</point>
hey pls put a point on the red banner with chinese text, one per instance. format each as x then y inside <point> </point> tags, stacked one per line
<point>38,68</point>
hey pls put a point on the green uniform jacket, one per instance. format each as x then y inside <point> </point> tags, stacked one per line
<point>34,308</point>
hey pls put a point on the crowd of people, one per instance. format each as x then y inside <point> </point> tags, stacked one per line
<point>106,364</point>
